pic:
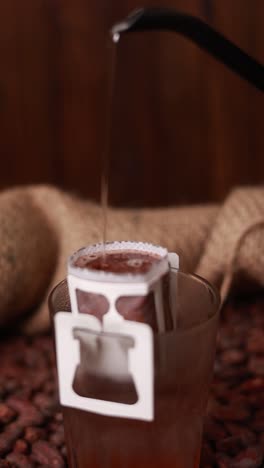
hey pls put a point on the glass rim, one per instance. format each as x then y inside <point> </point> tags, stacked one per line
<point>214,293</point>
<point>213,289</point>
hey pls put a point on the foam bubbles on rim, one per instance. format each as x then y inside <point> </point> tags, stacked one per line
<point>156,270</point>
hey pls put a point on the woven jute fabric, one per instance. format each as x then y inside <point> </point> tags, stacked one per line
<point>40,226</point>
<point>233,255</point>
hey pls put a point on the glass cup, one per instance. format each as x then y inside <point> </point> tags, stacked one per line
<point>184,360</point>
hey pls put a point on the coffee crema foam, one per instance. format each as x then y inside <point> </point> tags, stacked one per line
<point>119,261</point>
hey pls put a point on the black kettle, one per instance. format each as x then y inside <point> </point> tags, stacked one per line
<point>202,34</point>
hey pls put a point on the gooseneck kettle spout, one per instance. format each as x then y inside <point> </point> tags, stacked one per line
<point>200,33</point>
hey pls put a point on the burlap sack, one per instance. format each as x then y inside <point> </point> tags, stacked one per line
<point>233,256</point>
<point>42,225</point>
<point>28,254</point>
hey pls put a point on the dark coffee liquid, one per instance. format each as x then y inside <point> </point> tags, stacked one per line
<point>121,262</point>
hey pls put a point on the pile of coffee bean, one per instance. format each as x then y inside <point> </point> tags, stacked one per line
<point>31,428</point>
<point>234,426</point>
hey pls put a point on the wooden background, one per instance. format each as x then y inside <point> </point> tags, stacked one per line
<point>185,129</point>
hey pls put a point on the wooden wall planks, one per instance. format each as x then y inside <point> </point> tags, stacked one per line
<point>27,142</point>
<point>235,106</point>
<point>185,129</point>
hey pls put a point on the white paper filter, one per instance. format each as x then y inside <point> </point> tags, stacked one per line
<point>139,359</point>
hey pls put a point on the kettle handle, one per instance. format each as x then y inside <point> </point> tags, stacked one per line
<point>198,31</point>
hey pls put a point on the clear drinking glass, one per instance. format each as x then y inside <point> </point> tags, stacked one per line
<point>184,360</point>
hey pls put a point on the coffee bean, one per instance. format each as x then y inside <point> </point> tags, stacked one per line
<point>226,341</point>
<point>32,434</point>
<point>25,391</point>
<point>45,454</point>
<point>19,461</point>
<point>223,461</point>
<point>7,414</point>
<point>253,385</point>
<point>252,457</point>
<point>233,357</point>
<point>5,444</point>
<point>58,417</point>
<point>11,385</point>
<point>9,436</point>
<point>57,438</point>
<point>256,365</point>
<point>255,341</point>
<point>34,360</point>
<point>29,414</point>
<point>21,446</point>
<point>45,403</point>
<point>38,380</point>
<point>64,451</point>
<point>53,426</point>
